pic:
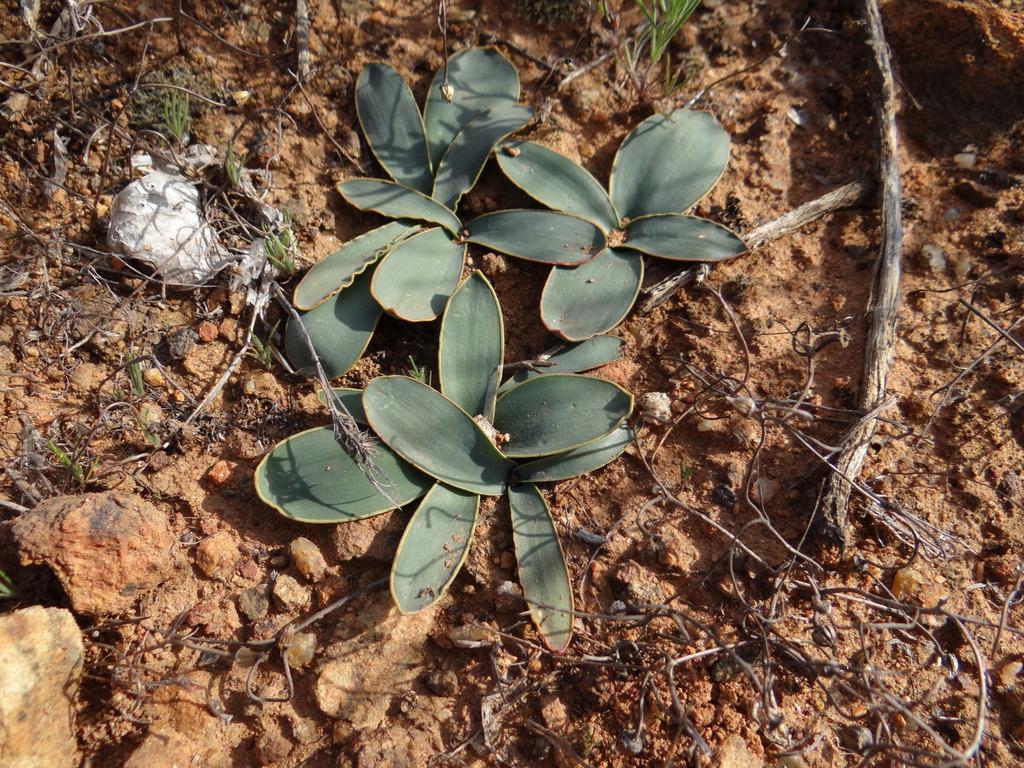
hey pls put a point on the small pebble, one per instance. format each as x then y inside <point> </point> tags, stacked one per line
<point>249,570</point>
<point>304,731</point>
<point>300,650</point>
<point>470,636</point>
<point>254,603</point>
<point>272,747</point>
<point>308,559</point>
<point>220,472</point>
<point>154,377</point>
<point>216,556</point>
<point>656,407</point>
<point>289,594</point>
<point>965,159</point>
<point>934,257</point>
<point>207,332</point>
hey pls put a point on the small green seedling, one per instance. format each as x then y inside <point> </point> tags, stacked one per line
<point>71,462</point>
<point>7,588</point>
<point>410,266</point>
<point>279,245</point>
<point>472,438</point>
<point>144,419</point>
<point>135,374</point>
<point>664,166</point>
<point>176,115</point>
<point>233,165</point>
<point>422,375</point>
<point>262,351</point>
<point>641,54</point>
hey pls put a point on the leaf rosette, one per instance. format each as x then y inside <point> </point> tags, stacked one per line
<point>410,266</point>
<point>474,437</point>
<point>662,169</point>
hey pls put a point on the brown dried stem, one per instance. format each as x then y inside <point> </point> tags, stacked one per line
<point>834,498</point>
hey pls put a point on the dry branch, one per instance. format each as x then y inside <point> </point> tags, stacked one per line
<point>302,38</point>
<point>834,497</point>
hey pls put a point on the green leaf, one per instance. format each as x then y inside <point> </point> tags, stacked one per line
<point>542,569</point>
<point>578,461</point>
<point>351,399</point>
<point>472,347</point>
<point>337,270</point>
<point>307,477</point>
<point>559,412</point>
<point>556,181</point>
<point>340,328</point>
<point>668,163</point>
<point>462,163</point>
<point>391,199</point>
<point>580,302</point>
<point>481,79</point>
<point>572,358</point>
<point>415,280</point>
<point>545,236</point>
<point>393,127</point>
<point>435,435</point>
<point>682,238</point>
<point>433,547</point>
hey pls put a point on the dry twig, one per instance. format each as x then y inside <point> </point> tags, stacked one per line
<point>847,196</point>
<point>834,498</point>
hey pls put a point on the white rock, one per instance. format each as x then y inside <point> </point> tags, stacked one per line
<point>157,220</point>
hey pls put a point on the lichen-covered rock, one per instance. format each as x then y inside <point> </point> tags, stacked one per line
<point>41,657</point>
<point>105,548</point>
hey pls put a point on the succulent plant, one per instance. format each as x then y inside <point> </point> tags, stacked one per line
<point>472,438</point>
<point>410,266</point>
<point>664,166</point>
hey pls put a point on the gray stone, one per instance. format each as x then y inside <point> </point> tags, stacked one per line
<point>254,603</point>
<point>41,657</point>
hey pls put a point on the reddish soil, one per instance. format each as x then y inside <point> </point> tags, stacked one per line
<point>736,624</point>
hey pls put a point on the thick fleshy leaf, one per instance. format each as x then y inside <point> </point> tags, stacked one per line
<point>462,163</point>
<point>435,435</point>
<point>559,412</point>
<point>472,347</point>
<point>578,461</point>
<point>393,127</point>
<point>481,79</point>
<point>580,302</point>
<point>542,569</point>
<point>572,358</point>
<point>337,270</point>
<point>351,399</point>
<point>668,163</point>
<point>433,547</point>
<point>307,477</point>
<point>397,201</point>
<point>682,238</point>
<point>413,282</point>
<point>556,181</point>
<point>340,328</point>
<point>545,236</point>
